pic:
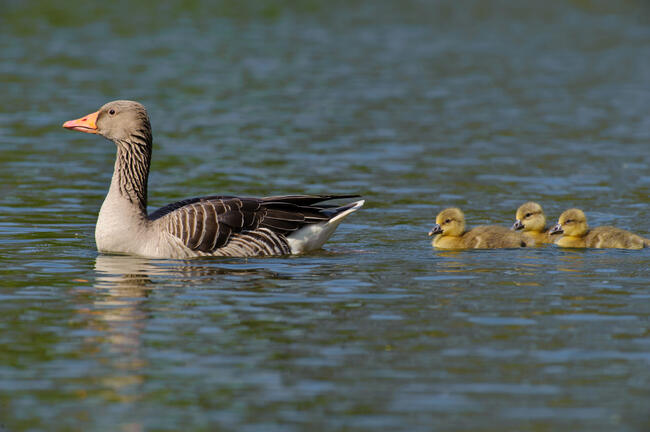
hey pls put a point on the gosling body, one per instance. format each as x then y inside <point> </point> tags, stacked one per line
<point>572,231</point>
<point>449,233</point>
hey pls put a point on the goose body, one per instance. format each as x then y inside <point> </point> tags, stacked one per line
<point>449,233</point>
<point>530,219</point>
<point>573,232</point>
<point>203,226</point>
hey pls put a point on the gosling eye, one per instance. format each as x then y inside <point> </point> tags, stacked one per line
<point>111,111</point>
<point>447,220</point>
<point>528,215</point>
<point>568,221</point>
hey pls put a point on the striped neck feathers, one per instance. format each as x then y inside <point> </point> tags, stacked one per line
<point>132,167</point>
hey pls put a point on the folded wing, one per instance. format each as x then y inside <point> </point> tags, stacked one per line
<point>233,226</point>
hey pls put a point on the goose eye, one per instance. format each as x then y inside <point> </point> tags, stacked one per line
<point>447,220</point>
<point>528,215</point>
<point>568,221</point>
<point>111,112</point>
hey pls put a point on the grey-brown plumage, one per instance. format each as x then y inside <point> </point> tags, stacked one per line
<point>233,226</point>
<point>211,225</point>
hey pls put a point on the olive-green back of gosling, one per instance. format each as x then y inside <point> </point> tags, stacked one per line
<point>575,231</point>
<point>605,237</point>
<point>495,237</point>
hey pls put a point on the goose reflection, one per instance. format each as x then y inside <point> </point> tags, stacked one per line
<point>118,315</point>
<point>123,307</point>
<point>117,272</point>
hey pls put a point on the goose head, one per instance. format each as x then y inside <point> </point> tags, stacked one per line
<point>449,222</point>
<point>572,222</point>
<point>530,217</point>
<point>119,121</point>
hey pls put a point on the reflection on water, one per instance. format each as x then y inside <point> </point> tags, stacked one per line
<point>572,262</point>
<point>126,271</point>
<point>119,314</point>
<point>120,310</point>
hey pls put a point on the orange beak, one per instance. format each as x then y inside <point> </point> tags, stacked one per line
<point>86,123</point>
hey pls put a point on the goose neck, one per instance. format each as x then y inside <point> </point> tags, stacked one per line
<point>131,172</point>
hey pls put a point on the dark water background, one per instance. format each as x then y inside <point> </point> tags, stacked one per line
<point>417,105</point>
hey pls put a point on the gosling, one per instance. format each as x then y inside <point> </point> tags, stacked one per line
<point>576,234</point>
<point>530,219</point>
<point>449,232</point>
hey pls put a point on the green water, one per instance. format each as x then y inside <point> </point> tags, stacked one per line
<point>415,105</point>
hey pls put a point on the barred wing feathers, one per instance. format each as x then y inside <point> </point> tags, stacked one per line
<point>231,226</point>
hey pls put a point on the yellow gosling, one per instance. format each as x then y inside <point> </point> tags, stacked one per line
<point>449,232</point>
<point>573,232</point>
<point>530,219</point>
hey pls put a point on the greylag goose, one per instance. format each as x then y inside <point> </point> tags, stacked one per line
<point>203,226</point>
<point>575,233</point>
<point>449,232</point>
<point>530,219</point>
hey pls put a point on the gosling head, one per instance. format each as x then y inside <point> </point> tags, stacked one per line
<point>572,222</point>
<point>449,222</point>
<point>530,217</point>
<point>119,121</point>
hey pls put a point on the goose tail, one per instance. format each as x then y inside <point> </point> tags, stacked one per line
<point>313,236</point>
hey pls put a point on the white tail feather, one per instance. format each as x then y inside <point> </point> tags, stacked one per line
<point>313,236</point>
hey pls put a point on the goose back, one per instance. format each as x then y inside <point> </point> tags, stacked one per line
<point>234,226</point>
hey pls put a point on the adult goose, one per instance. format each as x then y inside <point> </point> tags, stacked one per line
<point>573,232</point>
<point>449,233</point>
<point>203,226</point>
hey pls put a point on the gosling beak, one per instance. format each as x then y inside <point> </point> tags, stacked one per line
<point>557,229</point>
<point>437,229</point>
<point>87,123</point>
<point>517,225</point>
